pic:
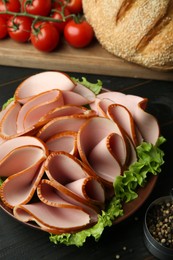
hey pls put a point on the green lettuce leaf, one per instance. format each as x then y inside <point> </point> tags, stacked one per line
<point>1,181</point>
<point>94,87</point>
<point>7,103</point>
<point>104,220</point>
<point>150,159</point>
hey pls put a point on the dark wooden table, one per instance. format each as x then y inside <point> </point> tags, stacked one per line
<point>125,240</point>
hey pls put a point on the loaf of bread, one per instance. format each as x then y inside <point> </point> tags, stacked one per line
<point>139,31</point>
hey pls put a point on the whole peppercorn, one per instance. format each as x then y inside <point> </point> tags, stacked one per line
<point>160,223</point>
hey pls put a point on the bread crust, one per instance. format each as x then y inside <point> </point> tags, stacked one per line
<point>139,31</point>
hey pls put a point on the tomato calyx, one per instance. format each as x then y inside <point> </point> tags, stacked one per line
<point>36,29</point>
<point>78,18</point>
<point>15,26</point>
<point>5,2</point>
<point>28,2</point>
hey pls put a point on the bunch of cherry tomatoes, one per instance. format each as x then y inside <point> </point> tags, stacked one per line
<point>45,22</point>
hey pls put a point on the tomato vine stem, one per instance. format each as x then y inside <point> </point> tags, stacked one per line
<point>39,17</point>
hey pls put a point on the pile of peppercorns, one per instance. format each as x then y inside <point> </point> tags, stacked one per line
<point>160,223</point>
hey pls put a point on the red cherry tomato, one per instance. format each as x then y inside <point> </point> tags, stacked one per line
<point>37,7</point>
<point>78,35</point>
<point>19,28</point>
<point>3,28</point>
<point>57,15</point>
<point>45,37</point>
<point>74,6</point>
<point>10,5</point>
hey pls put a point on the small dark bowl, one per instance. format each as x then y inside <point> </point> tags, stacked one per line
<point>155,248</point>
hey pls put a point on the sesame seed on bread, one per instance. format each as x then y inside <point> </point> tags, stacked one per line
<point>139,31</point>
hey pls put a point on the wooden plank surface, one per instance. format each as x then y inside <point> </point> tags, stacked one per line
<point>93,59</point>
